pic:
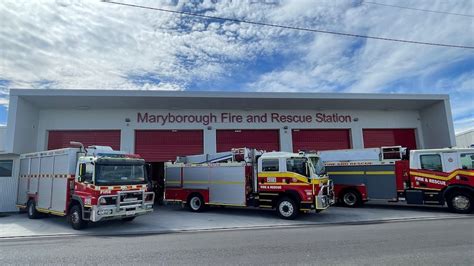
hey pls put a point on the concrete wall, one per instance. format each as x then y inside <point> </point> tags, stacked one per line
<point>115,119</point>
<point>22,130</point>
<point>437,126</point>
<point>9,185</point>
<point>465,139</point>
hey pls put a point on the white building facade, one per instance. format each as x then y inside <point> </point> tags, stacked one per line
<point>465,139</point>
<point>160,125</point>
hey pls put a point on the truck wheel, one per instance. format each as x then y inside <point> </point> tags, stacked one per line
<point>460,202</point>
<point>287,208</point>
<point>75,217</point>
<point>32,212</point>
<point>128,219</point>
<point>350,198</point>
<point>196,203</point>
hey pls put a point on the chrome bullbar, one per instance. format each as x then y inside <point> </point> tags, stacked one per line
<point>326,196</point>
<point>127,204</point>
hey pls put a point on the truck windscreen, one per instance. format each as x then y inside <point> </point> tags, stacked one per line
<point>126,174</point>
<point>318,165</point>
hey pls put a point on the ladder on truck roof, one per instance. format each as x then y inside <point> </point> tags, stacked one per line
<point>236,154</point>
<point>367,154</point>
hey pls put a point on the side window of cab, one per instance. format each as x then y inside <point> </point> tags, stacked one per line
<point>467,161</point>
<point>270,165</point>
<point>431,162</point>
<point>86,171</point>
<point>297,165</point>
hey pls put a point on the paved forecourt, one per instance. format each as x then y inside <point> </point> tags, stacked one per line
<point>167,219</point>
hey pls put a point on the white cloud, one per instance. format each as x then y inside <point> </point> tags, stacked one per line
<point>3,101</point>
<point>328,59</point>
<point>88,44</point>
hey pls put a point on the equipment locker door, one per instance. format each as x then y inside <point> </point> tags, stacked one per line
<point>45,182</point>
<point>60,183</point>
<point>381,182</point>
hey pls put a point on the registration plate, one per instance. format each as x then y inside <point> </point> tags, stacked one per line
<point>129,212</point>
<point>130,199</point>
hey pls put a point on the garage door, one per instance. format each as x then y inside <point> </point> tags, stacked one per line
<point>58,139</point>
<point>268,140</point>
<point>320,139</point>
<point>374,138</point>
<point>165,145</point>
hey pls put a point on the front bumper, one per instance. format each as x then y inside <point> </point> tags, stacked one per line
<point>325,197</point>
<point>123,209</point>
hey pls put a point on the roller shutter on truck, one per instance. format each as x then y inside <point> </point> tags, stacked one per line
<point>320,139</point>
<point>58,139</point>
<point>268,140</point>
<point>376,138</point>
<point>166,145</point>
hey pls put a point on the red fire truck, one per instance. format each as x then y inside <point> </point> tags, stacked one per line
<point>87,185</point>
<point>431,176</point>
<point>288,182</point>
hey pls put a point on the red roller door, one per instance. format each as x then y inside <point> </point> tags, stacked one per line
<point>268,140</point>
<point>374,138</point>
<point>320,139</point>
<point>165,145</point>
<point>58,139</point>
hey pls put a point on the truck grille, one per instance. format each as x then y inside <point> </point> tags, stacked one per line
<point>131,198</point>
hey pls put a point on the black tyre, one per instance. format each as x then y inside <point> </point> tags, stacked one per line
<point>460,202</point>
<point>75,218</point>
<point>287,208</point>
<point>350,198</point>
<point>128,219</point>
<point>31,209</point>
<point>196,203</point>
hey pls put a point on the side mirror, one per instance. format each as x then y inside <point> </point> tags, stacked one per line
<point>148,171</point>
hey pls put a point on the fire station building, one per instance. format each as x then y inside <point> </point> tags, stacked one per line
<point>160,125</point>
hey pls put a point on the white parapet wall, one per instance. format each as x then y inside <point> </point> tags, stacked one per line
<point>465,139</point>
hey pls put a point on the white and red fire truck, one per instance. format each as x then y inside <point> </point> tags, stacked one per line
<point>431,176</point>
<point>87,185</point>
<point>288,182</point>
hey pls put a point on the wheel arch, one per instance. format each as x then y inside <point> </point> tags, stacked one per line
<point>453,188</point>
<point>195,193</point>
<point>293,194</point>
<point>75,200</point>
<point>347,189</point>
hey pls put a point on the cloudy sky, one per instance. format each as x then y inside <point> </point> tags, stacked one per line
<point>67,44</point>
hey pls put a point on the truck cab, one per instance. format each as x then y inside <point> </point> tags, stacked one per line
<point>302,177</point>
<point>109,185</point>
<point>447,173</point>
<point>309,166</point>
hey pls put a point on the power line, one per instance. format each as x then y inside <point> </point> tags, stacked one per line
<point>291,27</point>
<point>417,9</point>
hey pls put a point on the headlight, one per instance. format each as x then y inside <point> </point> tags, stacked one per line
<point>102,201</point>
